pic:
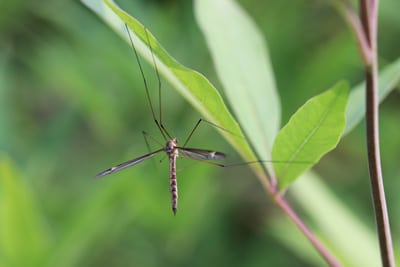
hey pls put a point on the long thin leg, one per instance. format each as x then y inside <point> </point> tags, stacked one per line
<point>146,141</point>
<point>225,165</point>
<point>242,163</point>
<point>162,129</point>
<point>209,123</point>
<point>191,133</point>
<point>159,85</point>
<point>148,136</point>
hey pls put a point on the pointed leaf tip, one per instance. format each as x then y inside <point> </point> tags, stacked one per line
<point>311,132</point>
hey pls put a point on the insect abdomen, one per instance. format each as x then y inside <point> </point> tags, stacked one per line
<point>173,185</point>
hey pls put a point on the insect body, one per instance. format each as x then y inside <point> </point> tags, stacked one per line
<point>171,148</point>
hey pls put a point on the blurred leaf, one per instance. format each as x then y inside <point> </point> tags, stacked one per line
<point>346,234</point>
<point>315,73</point>
<point>311,132</point>
<point>191,84</point>
<point>294,239</point>
<point>242,62</point>
<point>78,88</point>
<point>4,118</point>
<point>89,221</point>
<point>389,77</point>
<point>24,240</point>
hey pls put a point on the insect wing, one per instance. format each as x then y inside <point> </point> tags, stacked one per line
<point>201,154</point>
<point>127,164</point>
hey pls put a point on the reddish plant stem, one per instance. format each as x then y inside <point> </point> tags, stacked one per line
<point>368,10</point>
<point>366,33</point>
<point>356,26</point>
<point>279,198</point>
<point>283,204</point>
<point>375,170</point>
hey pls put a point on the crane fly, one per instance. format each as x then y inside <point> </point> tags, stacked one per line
<point>172,150</point>
<point>171,147</point>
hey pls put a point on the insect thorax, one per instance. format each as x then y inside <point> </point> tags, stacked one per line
<point>171,145</point>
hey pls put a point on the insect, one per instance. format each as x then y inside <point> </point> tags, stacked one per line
<point>171,148</point>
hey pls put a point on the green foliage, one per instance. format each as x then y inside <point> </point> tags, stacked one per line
<point>389,78</point>
<point>323,206</point>
<point>191,84</point>
<point>72,103</point>
<point>242,62</point>
<point>311,132</point>
<point>21,224</point>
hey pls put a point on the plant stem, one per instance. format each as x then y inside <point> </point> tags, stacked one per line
<point>279,198</point>
<point>368,9</point>
<point>283,204</point>
<point>366,33</point>
<point>375,170</point>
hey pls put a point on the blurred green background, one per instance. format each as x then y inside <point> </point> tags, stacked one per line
<point>72,104</point>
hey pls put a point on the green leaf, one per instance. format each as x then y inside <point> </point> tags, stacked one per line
<point>389,77</point>
<point>310,133</point>
<point>242,62</point>
<point>190,84</point>
<point>24,240</point>
<point>320,203</point>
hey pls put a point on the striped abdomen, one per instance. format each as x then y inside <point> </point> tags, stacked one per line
<point>173,185</point>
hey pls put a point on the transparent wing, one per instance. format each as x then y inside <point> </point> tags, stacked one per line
<point>201,154</point>
<point>127,164</point>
